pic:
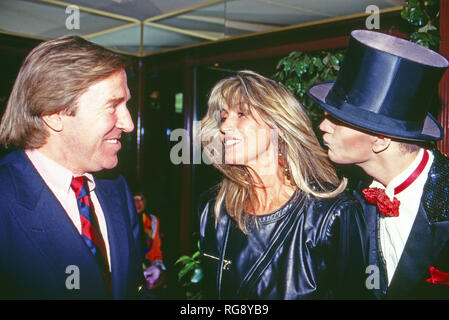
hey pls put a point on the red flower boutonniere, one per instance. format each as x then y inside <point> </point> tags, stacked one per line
<point>438,277</point>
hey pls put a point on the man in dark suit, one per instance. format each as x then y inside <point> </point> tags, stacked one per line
<point>65,234</point>
<point>377,118</point>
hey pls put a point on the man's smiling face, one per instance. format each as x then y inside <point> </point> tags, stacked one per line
<point>91,137</point>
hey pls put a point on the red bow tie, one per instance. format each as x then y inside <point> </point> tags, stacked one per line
<point>385,205</point>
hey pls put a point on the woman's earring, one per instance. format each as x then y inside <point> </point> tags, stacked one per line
<point>282,159</point>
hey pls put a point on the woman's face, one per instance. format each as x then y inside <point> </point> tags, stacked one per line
<point>247,139</point>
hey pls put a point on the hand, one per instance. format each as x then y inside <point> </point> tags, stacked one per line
<point>152,275</point>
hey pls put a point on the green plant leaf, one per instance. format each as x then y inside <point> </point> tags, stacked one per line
<point>308,68</point>
<point>196,255</point>
<point>293,54</point>
<point>311,68</point>
<point>423,16</point>
<point>281,62</point>
<point>414,15</point>
<point>318,63</point>
<point>188,267</point>
<point>183,259</point>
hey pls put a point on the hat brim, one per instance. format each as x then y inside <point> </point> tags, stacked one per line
<point>372,122</point>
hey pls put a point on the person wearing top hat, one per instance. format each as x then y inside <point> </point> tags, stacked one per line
<point>377,117</point>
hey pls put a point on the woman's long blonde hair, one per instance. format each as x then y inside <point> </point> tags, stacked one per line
<point>310,168</point>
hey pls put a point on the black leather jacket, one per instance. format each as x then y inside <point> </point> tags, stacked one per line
<point>309,249</point>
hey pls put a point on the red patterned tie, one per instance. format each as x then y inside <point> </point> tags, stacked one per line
<point>90,230</point>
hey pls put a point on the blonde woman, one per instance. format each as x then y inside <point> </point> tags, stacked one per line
<point>279,225</point>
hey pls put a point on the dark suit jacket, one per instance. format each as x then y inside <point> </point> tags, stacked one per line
<point>427,244</point>
<point>39,245</point>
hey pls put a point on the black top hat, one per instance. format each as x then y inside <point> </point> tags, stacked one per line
<point>385,86</point>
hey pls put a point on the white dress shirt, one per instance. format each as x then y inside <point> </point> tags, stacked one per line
<point>394,231</point>
<point>58,179</point>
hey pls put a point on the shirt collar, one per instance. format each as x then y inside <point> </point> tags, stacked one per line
<point>57,177</point>
<point>400,178</point>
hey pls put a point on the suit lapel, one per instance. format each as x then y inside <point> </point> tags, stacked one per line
<point>45,221</point>
<point>117,235</point>
<point>374,256</point>
<point>371,222</point>
<point>424,244</point>
<point>62,242</point>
